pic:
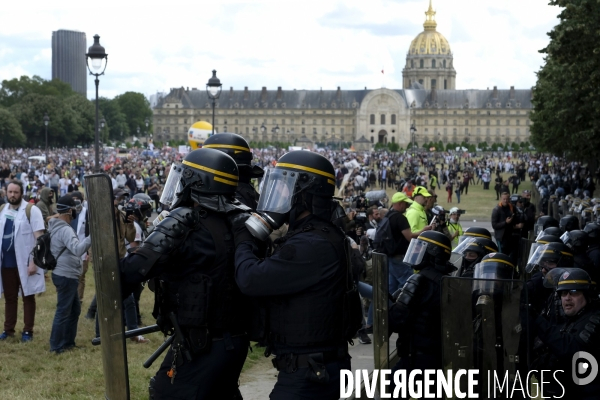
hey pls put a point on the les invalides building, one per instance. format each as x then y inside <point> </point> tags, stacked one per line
<point>428,101</point>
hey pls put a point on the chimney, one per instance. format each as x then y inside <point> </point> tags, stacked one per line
<point>512,93</point>
<point>495,93</point>
<point>263,94</point>
<point>338,94</point>
<point>246,95</point>
<point>279,93</point>
<point>231,92</point>
<point>187,89</point>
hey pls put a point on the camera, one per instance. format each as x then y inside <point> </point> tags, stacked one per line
<point>361,217</point>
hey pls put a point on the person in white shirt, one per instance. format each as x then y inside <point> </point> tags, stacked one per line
<point>63,185</point>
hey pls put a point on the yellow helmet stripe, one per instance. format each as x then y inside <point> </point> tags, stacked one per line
<point>498,260</point>
<point>225,146</point>
<point>434,242</point>
<point>307,169</point>
<point>573,281</point>
<point>561,252</point>
<point>476,234</point>
<point>212,171</point>
<point>331,182</point>
<point>217,179</point>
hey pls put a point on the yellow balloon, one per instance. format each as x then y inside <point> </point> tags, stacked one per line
<point>198,133</point>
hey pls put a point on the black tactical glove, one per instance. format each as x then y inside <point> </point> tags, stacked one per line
<point>238,227</point>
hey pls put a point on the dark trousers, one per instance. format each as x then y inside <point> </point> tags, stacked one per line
<point>297,386</point>
<point>11,284</point>
<point>56,192</point>
<point>208,376</point>
<point>515,189</point>
<point>68,308</point>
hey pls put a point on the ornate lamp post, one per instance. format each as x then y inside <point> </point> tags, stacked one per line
<point>46,121</point>
<point>213,88</point>
<point>99,59</point>
<point>413,132</point>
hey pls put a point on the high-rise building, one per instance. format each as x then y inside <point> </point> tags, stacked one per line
<point>68,59</point>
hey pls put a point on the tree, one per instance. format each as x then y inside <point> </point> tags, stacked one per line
<point>85,118</point>
<point>136,109</point>
<point>393,147</point>
<point>14,90</point>
<point>11,134</point>
<point>566,115</point>
<point>116,120</point>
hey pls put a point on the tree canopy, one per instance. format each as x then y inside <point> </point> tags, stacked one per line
<point>566,115</point>
<point>25,101</point>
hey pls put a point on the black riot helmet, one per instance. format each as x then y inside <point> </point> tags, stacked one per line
<point>237,147</point>
<point>474,232</point>
<point>576,240</point>
<point>550,256</point>
<point>138,207</point>
<point>462,257</point>
<point>593,231</point>
<point>569,223</point>
<point>301,181</point>
<point>493,266</point>
<point>431,248</point>
<point>544,222</point>
<point>203,172</point>
<point>553,231</point>
<point>542,240</point>
<point>575,279</point>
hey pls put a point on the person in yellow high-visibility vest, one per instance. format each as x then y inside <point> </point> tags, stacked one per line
<point>454,226</point>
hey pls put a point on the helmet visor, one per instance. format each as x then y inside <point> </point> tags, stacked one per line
<point>552,277</point>
<point>172,187</point>
<point>542,257</point>
<point>277,192</point>
<point>464,244</point>
<point>416,251</point>
<point>537,230</point>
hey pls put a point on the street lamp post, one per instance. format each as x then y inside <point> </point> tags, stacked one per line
<point>213,88</point>
<point>99,60</point>
<point>46,121</point>
<point>147,123</point>
<point>413,131</point>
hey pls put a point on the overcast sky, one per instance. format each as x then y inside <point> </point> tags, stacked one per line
<point>308,44</point>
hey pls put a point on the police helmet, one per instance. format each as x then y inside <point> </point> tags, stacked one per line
<point>315,174</point>
<point>430,248</point>
<point>569,223</point>
<point>474,232</point>
<point>576,240</point>
<point>237,147</point>
<point>480,246</point>
<point>202,172</point>
<point>575,279</point>
<point>553,230</point>
<point>550,256</point>
<point>593,231</point>
<point>544,222</point>
<point>492,267</point>
<point>142,196</point>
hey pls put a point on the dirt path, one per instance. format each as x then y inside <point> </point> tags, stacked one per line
<point>257,382</point>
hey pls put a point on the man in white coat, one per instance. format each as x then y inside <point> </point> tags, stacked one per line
<point>18,272</point>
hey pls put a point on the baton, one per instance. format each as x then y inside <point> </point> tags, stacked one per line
<point>159,351</point>
<point>132,333</point>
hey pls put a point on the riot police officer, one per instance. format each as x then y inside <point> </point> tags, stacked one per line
<point>558,343</point>
<point>191,253</point>
<point>237,147</point>
<point>593,231</point>
<point>416,314</point>
<point>577,241</point>
<point>308,321</point>
<point>471,251</point>
<point>569,223</point>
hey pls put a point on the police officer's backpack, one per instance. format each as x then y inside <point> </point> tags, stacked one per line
<point>42,256</point>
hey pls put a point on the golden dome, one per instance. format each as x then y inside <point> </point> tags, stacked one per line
<point>430,41</point>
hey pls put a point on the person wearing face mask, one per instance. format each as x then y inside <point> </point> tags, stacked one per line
<point>46,204</point>
<point>67,249</point>
<point>454,226</point>
<point>472,250</point>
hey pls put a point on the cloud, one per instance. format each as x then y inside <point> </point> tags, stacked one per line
<point>293,44</point>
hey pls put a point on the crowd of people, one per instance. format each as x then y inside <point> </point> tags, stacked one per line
<point>300,257</point>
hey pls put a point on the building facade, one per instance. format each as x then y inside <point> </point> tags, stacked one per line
<point>68,59</point>
<point>428,101</point>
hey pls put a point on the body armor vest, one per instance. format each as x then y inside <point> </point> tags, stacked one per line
<point>209,298</point>
<point>313,317</point>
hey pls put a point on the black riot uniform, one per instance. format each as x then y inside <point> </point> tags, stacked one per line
<point>302,284</point>
<point>191,256</point>
<point>416,314</point>
<point>593,252</point>
<point>558,343</point>
<point>237,147</point>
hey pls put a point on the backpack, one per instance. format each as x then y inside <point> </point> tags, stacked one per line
<point>384,240</point>
<point>42,256</point>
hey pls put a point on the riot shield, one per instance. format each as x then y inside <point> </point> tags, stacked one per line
<point>103,233</point>
<point>481,329</point>
<point>381,345</point>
